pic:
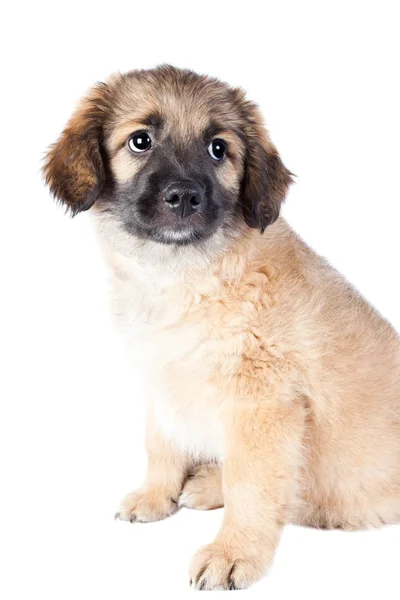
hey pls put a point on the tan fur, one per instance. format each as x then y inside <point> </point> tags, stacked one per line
<point>305,380</point>
<point>158,496</point>
<point>270,381</point>
<point>203,488</point>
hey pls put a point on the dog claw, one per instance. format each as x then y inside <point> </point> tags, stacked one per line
<point>231,585</point>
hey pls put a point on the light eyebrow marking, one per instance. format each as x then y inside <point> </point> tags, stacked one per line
<point>214,130</point>
<point>154,120</point>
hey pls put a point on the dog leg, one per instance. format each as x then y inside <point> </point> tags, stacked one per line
<point>203,488</point>
<point>262,457</point>
<point>157,498</point>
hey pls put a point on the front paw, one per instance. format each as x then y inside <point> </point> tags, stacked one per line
<point>146,505</point>
<point>218,567</point>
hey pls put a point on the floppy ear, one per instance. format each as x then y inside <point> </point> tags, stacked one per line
<point>74,168</point>
<point>266,179</point>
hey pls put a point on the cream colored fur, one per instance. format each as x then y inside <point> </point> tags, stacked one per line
<point>273,388</point>
<point>267,368</point>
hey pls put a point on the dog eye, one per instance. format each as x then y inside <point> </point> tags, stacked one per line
<point>217,149</point>
<point>139,142</point>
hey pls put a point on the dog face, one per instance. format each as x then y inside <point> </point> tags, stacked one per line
<point>171,156</point>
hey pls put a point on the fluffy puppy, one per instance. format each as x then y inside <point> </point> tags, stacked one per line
<point>273,387</point>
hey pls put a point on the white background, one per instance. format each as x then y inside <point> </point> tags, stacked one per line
<point>326,76</point>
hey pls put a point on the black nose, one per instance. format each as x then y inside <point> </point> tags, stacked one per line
<point>184,198</point>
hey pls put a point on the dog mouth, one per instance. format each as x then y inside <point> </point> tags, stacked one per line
<point>181,236</point>
<point>168,227</point>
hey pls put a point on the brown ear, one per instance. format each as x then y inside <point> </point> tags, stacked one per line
<point>266,179</point>
<point>74,168</point>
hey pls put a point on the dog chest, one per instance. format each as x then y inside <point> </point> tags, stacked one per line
<point>176,371</point>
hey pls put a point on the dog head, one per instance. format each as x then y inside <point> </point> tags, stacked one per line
<point>171,156</point>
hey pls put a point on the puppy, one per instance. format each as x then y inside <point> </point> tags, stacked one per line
<point>273,387</point>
